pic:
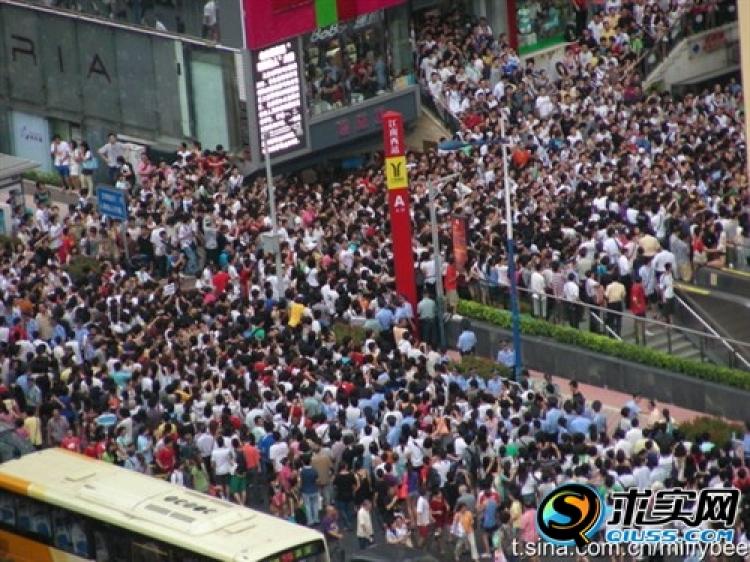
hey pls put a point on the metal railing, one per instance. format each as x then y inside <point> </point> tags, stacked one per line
<point>716,348</point>
<point>738,255</point>
<point>622,325</point>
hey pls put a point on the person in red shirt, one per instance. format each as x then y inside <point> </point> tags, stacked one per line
<point>220,280</point>
<point>450,284</point>
<point>66,246</point>
<point>71,442</point>
<point>638,306</point>
<point>521,157</point>
<point>440,513</point>
<point>165,457</point>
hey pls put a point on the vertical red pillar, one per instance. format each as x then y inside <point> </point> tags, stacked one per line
<point>512,15</point>
<point>397,182</point>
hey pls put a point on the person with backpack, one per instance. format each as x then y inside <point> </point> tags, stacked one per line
<point>488,506</point>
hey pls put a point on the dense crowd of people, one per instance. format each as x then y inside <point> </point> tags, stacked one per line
<point>196,362</point>
<point>610,184</point>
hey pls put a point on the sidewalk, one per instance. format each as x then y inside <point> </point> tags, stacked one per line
<point>612,400</point>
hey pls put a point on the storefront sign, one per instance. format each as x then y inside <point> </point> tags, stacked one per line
<point>460,249</point>
<point>333,128</point>
<point>398,205</point>
<point>31,138</point>
<point>278,98</point>
<point>714,41</point>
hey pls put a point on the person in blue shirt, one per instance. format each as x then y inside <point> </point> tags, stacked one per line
<point>495,385</point>
<point>308,477</point>
<point>394,432</point>
<point>384,316</point>
<point>467,341</point>
<point>550,424</point>
<point>579,424</point>
<point>403,311</point>
<point>505,355</point>
<point>633,406</point>
<point>480,383</point>
<point>599,420</point>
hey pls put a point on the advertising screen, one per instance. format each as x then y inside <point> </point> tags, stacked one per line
<point>278,98</point>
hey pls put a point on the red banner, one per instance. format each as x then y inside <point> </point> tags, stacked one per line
<point>460,249</point>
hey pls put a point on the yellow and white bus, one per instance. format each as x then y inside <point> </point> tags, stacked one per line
<point>58,506</point>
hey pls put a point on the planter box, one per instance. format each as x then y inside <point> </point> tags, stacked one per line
<point>549,356</point>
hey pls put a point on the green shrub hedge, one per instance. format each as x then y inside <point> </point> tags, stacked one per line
<point>48,178</point>
<point>719,430</point>
<point>608,346</point>
<point>482,366</point>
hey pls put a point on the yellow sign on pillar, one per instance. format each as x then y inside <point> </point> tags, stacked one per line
<point>396,174</point>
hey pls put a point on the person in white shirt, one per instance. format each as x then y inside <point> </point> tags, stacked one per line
<point>571,293</point>
<point>111,152</point>
<point>61,158</point>
<point>210,29</point>
<point>221,460</point>
<point>365,533</point>
<point>278,451</point>
<point>424,518</point>
<point>177,477</point>
<point>666,288</point>
<point>538,289</point>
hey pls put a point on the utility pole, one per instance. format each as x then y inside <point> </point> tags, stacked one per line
<point>274,222</point>
<point>438,265</point>
<point>516,317</point>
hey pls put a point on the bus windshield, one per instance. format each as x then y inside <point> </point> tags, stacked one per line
<point>310,552</point>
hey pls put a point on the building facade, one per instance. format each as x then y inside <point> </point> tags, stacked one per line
<point>310,75</point>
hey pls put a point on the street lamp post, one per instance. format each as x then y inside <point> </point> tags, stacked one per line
<point>516,317</point>
<point>274,222</point>
<point>439,291</point>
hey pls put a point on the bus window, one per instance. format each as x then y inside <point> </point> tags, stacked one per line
<point>111,544</point>
<point>33,517</point>
<point>150,551</point>
<point>69,533</point>
<point>7,509</point>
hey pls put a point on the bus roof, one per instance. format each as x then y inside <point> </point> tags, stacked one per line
<point>151,507</point>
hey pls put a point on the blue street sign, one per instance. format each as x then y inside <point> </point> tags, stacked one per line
<point>112,202</point>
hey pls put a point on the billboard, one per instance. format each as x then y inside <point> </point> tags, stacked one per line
<point>278,98</point>
<point>268,22</point>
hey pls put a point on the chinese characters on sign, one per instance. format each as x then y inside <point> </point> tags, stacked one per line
<point>635,508</point>
<point>361,122</point>
<point>394,135</point>
<point>278,97</point>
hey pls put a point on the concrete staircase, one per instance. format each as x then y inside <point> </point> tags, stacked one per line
<point>674,342</point>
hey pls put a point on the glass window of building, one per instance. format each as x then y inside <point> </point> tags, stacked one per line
<point>346,63</point>
<point>541,23</point>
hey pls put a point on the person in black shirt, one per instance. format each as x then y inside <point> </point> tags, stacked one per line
<point>345,485</point>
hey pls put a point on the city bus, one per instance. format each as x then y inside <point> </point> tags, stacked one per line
<point>59,506</point>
